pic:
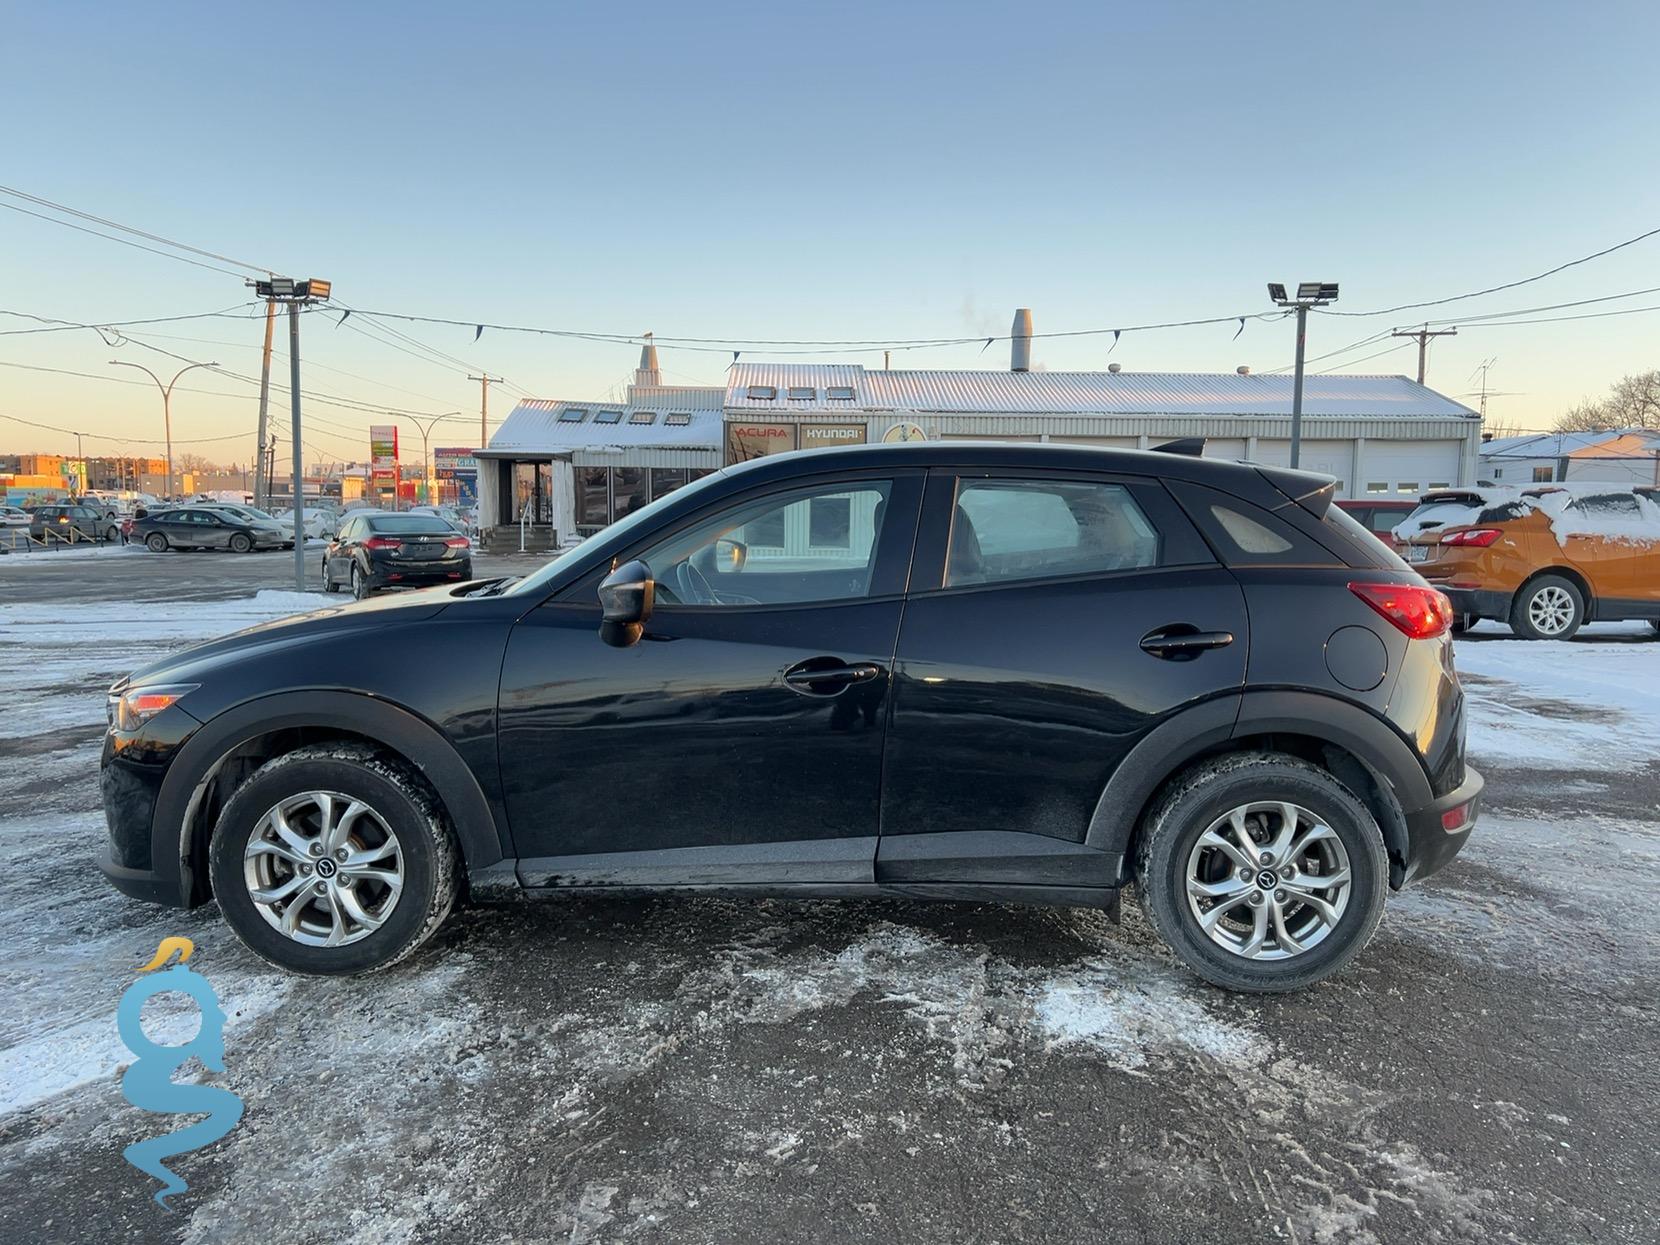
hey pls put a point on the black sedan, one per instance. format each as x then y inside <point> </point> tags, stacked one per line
<point>1035,673</point>
<point>207,527</point>
<point>375,550</point>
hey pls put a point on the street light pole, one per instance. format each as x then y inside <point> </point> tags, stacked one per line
<point>426,432</point>
<point>166,403</point>
<point>1309,294</point>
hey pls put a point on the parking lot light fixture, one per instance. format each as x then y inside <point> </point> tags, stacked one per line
<point>1309,294</point>
<point>166,404</point>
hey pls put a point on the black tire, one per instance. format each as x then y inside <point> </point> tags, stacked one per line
<point>361,590</point>
<point>241,542</point>
<point>155,542</point>
<point>431,860</point>
<point>1532,616</point>
<point>1207,792</point>
<point>328,581</point>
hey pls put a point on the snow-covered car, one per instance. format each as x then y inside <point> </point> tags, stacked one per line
<point>1545,559</point>
<point>320,524</point>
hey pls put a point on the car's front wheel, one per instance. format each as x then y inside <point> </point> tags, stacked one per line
<point>1262,872</point>
<point>334,859</point>
<point>328,580</point>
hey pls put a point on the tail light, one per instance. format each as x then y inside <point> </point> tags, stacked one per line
<point>458,542</point>
<point>1416,610</point>
<point>1475,537</point>
<point>383,542</point>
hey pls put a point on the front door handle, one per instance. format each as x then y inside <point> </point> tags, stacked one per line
<point>1183,642</point>
<point>827,676</point>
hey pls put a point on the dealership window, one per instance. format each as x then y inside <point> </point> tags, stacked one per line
<point>761,552</point>
<point>664,480</point>
<point>1407,486</point>
<point>1029,529</point>
<point>1498,474</point>
<point>642,417</point>
<point>839,393</point>
<point>1377,486</point>
<point>829,522</point>
<point>1541,475</point>
<point>628,490</point>
<point>678,419</point>
<point>1442,485</point>
<point>802,393</point>
<point>593,496</point>
<point>571,415</point>
<point>607,417</point>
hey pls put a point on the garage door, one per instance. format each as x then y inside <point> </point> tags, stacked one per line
<point>1407,468</point>
<point>1230,448</point>
<point>1332,458</point>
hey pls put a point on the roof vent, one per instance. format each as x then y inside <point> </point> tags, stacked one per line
<point>1115,368</point>
<point>1020,341</point>
<point>1243,370</point>
<point>839,393</point>
<point>803,393</point>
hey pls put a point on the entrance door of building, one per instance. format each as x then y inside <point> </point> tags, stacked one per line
<point>532,492</point>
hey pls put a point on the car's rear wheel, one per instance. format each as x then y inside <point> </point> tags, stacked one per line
<point>241,542</point>
<point>1262,872</point>
<point>360,584</point>
<point>334,859</point>
<point>1547,608</point>
<point>155,542</point>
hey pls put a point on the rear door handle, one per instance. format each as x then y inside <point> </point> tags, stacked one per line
<point>826,676</point>
<point>1183,642</point>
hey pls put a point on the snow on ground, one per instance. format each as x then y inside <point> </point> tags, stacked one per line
<point>1587,703</point>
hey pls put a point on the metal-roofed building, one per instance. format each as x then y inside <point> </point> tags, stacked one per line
<point>566,468</point>
<point>1623,455</point>
<point>1379,435</point>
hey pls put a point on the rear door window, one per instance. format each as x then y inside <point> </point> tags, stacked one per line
<point>1003,530</point>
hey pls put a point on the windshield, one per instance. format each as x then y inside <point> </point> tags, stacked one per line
<point>640,518</point>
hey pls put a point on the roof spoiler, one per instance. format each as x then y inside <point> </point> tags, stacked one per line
<point>1192,447</point>
<point>1310,490</point>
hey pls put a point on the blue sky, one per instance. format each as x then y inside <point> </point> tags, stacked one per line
<point>839,171</point>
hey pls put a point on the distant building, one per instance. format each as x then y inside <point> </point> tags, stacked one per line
<point>570,467</point>
<point>1622,456</point>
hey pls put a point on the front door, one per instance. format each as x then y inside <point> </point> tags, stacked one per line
<point>1042,639</point>
<point>740,739</point>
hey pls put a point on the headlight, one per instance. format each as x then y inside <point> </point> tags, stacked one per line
<point>129,710</point>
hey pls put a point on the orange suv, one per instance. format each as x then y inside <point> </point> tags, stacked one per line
<point>1545,560</point>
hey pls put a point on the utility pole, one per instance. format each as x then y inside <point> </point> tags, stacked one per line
<point>296,294</point>
<point>1423,335</point>
<point>262,482</point>
<point>485,382</point>
<point>1309,294</point>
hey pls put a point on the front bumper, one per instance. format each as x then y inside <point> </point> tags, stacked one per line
<point>139,857</point>
<point>1431,845</point>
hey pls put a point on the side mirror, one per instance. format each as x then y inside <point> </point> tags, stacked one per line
<point>730,555</point>
<point>626,596</point>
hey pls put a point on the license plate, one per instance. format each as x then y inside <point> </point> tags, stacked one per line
<point>1417,553</point>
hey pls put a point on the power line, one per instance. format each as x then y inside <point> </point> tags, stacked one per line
<point>100,436</point>
<point>1508,285</point>
<point>123,241</point>
<point>113,224</point>
<point>60,326</point>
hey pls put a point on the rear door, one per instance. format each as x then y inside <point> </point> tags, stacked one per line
<point>1059,618</point>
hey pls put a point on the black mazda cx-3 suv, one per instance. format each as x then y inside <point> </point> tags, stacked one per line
<point>943,670</point>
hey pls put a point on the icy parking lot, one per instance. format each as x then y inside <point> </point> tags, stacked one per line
<point>721,1071</point>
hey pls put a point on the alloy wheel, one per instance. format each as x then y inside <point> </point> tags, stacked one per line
<point>1268,880</point>
<point>323,869</point>
<point>1550,610</point>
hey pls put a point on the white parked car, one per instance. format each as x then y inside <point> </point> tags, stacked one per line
<point>13,516</point>
<point>320,524</point>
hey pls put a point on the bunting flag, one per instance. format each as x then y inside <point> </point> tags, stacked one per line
<point>1240,330</point>
<point>342,318</point>
<point>735,355</point>
<point>479,333</point>
<point>1114,345</point>
<point>987,346</point>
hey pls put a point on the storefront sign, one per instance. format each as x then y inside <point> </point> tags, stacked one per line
<point>747,441</point>
<point>383,456</point>
<point>458,469</point>
<point>818,436</point>
<point>904,432</point>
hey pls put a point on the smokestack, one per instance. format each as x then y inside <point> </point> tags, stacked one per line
<point>1020,341</point>
<point>648,373</point>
